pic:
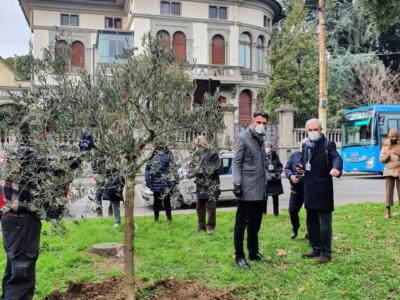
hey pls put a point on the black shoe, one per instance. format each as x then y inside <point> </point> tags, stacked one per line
<point>323,259</point>
<point>293,234</point>
<point>311,254</point>
<point>242,263</point>
<point>256,256</point>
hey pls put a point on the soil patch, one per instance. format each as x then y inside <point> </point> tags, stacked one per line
<point>161,290</point>
<point>182,290</point>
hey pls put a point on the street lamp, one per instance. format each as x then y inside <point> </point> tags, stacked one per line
<point>323,93</point>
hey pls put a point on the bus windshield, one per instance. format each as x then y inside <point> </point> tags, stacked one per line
<point>358,128</point>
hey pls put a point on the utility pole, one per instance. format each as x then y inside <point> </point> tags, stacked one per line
<point>323,93</point>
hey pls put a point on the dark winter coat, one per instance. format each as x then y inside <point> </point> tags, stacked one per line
<point>205,167</point>
<point>290,169</point>
<point>160,172</point>
<point>318,184</point>
<point>113,187</point>
<point>274,181</point>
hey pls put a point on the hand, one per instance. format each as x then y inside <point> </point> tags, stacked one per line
<point>237,190</point>
<point>334,173</point>
<point>293,178</point>
<point>300,170</point>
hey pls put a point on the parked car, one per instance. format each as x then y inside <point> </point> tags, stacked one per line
<point>186,190</point>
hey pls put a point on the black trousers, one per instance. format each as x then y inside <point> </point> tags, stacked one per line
<point>248,215</point>
<point>275,203</point>
<point>158,197</point>
<point>296,201</point>
<point>21,237</point>
<point>319,226</point>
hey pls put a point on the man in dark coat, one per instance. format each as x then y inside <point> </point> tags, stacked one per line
<point>321,162</point>
<point>249,187</point>
<point>296,200</point>
<point>160,177</point>
<point>204,167</point>
<point>21,224</point>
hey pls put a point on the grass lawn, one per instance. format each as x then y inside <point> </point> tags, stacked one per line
<point>366,258</point>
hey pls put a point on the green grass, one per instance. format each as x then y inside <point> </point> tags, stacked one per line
<point>366,258</point>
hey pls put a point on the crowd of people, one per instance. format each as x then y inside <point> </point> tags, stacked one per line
<point>256,171</point>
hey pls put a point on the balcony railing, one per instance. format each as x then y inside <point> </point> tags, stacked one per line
<point>226,73</point>
<point>333,135</point>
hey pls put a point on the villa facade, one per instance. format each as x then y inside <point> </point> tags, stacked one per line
<point>225,42</point>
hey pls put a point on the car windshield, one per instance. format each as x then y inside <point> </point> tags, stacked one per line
<point>358,129</point>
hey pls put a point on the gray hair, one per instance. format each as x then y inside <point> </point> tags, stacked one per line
<point>201,140</point>
<point>268,143</point>
<point>314,121</point>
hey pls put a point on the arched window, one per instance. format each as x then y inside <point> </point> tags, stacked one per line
<point>179,45</point>
<point>245,51</point>
<point>77,56</point>
<point>165,38</point>
<point>61,55</point>
<point>218,50</point>
<point>245,108</point>
<point>260,54</point>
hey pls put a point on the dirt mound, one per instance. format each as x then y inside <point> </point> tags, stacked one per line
<point>183,290</point>
<point>160,290</point>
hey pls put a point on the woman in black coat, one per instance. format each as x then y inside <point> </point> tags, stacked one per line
<point>273,177</point>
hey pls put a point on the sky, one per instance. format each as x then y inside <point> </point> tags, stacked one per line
<point>14,30</point>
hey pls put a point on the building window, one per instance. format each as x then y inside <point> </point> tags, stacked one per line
<point>69,20</point>
<point>223,12</point>
<point>179,45</point>
<point>170,8</point>
<point>164,37</point>
<point>115,23</point>
<point>218,50</point>
<point>217,12</point>
<point>245,51</point>
<point>77,56</point>
<point>260,54</point>
<point>112,46</point>
<point>61,54</point>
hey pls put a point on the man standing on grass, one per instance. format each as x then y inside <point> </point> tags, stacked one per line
<point>321,162</point>
<point>249,187</point>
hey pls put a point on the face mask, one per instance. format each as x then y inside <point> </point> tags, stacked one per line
<point>268,151</point>
<point>313,136</point>
<point>260,129</point>
<point>393,141</point>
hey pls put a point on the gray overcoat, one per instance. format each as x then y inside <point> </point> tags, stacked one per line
<point>249,166</point>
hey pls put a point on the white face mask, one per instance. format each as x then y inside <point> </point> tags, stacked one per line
<point>260,129</point>
<point>313,136</point>
<point>268,151</point>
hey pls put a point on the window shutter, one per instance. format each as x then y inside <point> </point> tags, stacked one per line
<point>179,45</point>
<point>218,50</point>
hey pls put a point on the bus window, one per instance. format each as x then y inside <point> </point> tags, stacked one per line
<point>389,120</point>
<point>359,132</point>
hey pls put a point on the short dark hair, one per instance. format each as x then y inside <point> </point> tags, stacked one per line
<point>261,114</point>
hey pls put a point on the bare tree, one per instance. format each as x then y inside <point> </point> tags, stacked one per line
<point>130,107</point>
<point>375,86</point>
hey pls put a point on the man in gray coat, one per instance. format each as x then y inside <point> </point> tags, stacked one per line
<point>249,187</point>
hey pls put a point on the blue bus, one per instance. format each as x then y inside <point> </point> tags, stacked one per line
<point>364,129</point>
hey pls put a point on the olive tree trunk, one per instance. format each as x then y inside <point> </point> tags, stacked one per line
<point>129,198</point>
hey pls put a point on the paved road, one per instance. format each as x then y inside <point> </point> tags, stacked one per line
<point>348,189</point>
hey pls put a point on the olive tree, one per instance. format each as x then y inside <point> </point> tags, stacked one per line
<point>131,107</point>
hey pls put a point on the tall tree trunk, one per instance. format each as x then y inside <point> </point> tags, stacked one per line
<point>129,197</point>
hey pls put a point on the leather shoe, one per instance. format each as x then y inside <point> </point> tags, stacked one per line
<point>311,254</point>
<point>323,259</point>
<point>242,263</point>
<point>256,256</point>
<point>293,235</point>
